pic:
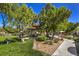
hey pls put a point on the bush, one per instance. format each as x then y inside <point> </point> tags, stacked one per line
<point>76,39</point>
<point>69,37</point>
<point>56,40</point>
<point>42,38</point>
<point>50,43</point>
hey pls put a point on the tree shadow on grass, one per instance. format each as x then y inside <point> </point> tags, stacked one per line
<point>7,41</point>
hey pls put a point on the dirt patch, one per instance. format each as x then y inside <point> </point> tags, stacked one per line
<point>49,49</point>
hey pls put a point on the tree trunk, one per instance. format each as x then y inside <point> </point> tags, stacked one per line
<point>35,44</point>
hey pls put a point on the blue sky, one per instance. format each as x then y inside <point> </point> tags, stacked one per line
<point>74,7</point>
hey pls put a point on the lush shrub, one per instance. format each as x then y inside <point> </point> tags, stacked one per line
<point>42,38</point>
<point>76,39</point>
<point>69,37</point>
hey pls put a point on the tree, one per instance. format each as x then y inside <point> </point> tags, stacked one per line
<point>16,16</point>
<point>7,12</point>
<point>63,26</point>
<point>51,17</point>
<point>72,27</point>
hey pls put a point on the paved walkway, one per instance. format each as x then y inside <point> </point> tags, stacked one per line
<point>67,48</point>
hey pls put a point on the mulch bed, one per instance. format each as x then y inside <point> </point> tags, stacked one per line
<point>49,49</point>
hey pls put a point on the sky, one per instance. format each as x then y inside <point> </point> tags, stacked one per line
<point>74,7</point>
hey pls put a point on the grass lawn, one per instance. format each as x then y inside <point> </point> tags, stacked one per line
<point>19,49</point>
<point>2,38</point>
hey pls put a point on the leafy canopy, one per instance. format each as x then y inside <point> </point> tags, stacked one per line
<point>51,17</point>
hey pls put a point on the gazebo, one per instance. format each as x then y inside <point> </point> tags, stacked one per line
<point>34,29</point>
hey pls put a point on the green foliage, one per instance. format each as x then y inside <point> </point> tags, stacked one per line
<point>16,15</point>
<point>63,26</point>
<point>51,17</point>
<point>76,39</point>
<point>3,38</point>
<point>69,36</point>
<point>42,38</point>
<point>21,16</point>
<point>72,27</point>
<point>77,29</point>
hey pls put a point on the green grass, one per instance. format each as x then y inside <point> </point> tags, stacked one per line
<point>2,38</point>
<point>19,49</point>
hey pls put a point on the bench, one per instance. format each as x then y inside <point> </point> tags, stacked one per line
<point>23,39</point>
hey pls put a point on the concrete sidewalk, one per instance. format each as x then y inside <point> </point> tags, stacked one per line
<point>67,48</point>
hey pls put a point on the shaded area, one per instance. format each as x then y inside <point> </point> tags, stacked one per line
<point>6,41</point>
<point>77,47</point>
<point>72,50</point>
<point>9,40</point>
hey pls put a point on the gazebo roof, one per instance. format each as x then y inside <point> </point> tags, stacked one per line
<point>32,28</point>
